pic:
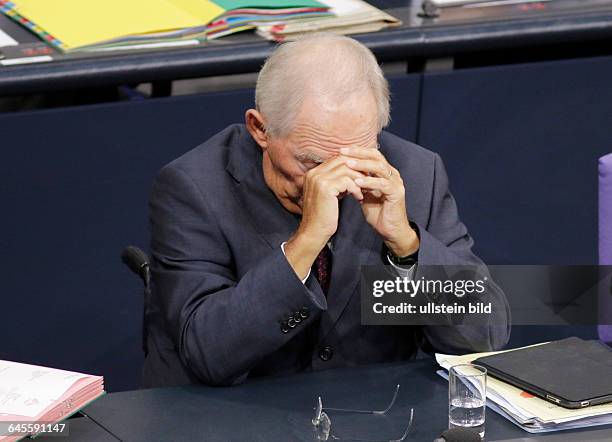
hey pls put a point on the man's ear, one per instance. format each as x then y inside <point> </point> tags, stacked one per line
<point>255,124</point>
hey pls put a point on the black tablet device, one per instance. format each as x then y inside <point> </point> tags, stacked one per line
<point>572,373</point>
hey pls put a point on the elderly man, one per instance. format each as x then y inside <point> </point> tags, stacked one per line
<point>258,235</point>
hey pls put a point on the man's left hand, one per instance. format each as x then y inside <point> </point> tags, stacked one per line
<point>384,203</point>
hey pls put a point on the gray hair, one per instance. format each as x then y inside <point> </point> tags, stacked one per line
<point>332,66</point>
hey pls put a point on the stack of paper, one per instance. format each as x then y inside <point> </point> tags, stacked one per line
<point>247,14</point>
<point>89,25</point>
<point>349,17</point>
<point>529,412</point>
<point>31,395</point>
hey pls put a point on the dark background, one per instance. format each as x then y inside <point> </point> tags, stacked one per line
<point>520,143</point>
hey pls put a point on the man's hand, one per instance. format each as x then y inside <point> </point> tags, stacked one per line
<point>323,187</point>
<point>384,203</point>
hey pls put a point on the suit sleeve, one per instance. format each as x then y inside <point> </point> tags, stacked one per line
<point>445,242</point>
<point>222,326</point>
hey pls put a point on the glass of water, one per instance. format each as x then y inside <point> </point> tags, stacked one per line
<point>467,396</point>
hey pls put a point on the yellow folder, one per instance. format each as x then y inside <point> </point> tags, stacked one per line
<point>85,22</point>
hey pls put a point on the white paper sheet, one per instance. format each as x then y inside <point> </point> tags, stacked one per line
<point>6,40</point>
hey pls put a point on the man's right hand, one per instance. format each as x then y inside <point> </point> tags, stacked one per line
<point>323,187</point>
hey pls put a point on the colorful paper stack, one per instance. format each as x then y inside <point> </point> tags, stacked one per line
<point>72,25</point>
<point>247,14</point>
<point>347,17</point>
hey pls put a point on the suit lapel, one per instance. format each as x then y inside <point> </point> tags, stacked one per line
<point>351,246</point>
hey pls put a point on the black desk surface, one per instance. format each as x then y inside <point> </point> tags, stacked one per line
<point>280,409</point>
<point>457,30</point>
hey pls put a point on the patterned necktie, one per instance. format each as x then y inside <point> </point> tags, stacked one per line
<point>322,268</point>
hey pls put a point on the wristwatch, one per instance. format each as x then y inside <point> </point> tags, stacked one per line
<point>406,261</point>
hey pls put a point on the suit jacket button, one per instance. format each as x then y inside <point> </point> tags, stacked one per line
<point>291,322</point>
<point>326,353</point>
<point>297,317</point>
<point>284,326</point>
<point>304,312</point>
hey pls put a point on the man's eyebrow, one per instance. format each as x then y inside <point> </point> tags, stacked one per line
<point>309,156</point>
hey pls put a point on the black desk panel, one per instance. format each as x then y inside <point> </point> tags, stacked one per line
<point>74,190</point>
<point>521,145</point>
<point>280,409</point>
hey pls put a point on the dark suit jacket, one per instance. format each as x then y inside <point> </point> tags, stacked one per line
<point>221,285</point>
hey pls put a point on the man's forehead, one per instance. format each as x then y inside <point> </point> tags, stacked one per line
<point>305,135</point>
<point>327,103</point>
<point>339,126</point>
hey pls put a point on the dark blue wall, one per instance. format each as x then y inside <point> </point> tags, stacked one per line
<point>75,184</point>
<point>521,145</point>
<point>73,192</point>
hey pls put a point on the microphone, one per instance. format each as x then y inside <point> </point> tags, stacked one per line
<point>459,435</point>
<point>137,261</point>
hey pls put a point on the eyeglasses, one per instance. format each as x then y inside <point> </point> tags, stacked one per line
<point>323,426</point>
